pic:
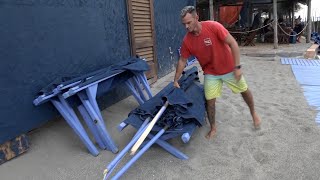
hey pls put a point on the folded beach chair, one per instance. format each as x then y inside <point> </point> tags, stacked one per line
<point>174,111</point>
<point>87,87</point>
<point>249,40</point>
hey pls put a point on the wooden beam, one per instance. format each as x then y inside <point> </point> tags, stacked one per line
<point>312,52</point>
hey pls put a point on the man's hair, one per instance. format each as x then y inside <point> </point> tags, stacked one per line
<point>188,9</point>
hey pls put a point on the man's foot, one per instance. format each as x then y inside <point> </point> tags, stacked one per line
<point>256,121</point>
<point>211,133</point>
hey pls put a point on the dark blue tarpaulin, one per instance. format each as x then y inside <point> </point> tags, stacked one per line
<point>186,105</point>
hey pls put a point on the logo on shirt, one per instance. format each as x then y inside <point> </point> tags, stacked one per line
<point>207,41</point>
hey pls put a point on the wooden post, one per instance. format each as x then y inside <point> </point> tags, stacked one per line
<point>313,24</point>
<point>211,10</point>
<point>308,34</point>
<point>249,15</point>
<point>317,23</point>
<point>292,20</point>
<point>275,24</point>
<point>217,11</point>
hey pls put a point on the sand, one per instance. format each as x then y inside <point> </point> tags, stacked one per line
<point>286,147</point>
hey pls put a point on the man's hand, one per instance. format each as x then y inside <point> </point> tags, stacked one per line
<point>237,74</point>
<point>176,84</point>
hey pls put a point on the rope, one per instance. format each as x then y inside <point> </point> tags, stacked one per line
<point>238,32</point>
<point>245,32</point>
<point>295,34</point>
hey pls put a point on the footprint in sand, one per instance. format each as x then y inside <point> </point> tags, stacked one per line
<point>246,133</point>
<point>260,157</point>
<point>260,132</point>
<point>269,146</point>
<point>236,147</point>
<point>305,129</point>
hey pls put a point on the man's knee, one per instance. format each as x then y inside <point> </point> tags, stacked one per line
<point>246,92</point>
<point>211,103</point>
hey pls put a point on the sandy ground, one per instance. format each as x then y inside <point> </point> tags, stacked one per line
<point>286,147</point>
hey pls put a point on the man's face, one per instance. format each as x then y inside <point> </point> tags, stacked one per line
<point>190,22</point>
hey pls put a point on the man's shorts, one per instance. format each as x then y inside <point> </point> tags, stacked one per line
<point>213,85</point>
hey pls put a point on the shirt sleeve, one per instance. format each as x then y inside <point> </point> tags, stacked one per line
<point>184,51</point>
<point>220,31</point>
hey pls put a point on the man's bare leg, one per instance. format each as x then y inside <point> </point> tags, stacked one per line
<point>211,111</point>
<point>248,98</point>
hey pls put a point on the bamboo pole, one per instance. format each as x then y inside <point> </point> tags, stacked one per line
<point>148,129</point>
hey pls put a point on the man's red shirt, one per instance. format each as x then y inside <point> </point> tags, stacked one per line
<point>213,54</point>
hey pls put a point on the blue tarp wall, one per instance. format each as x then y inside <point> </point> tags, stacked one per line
<point>41,40</point>
<point>169,32</point>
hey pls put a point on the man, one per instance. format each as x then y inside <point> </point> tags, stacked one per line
<point>219,56</point>
<point>298,28</point>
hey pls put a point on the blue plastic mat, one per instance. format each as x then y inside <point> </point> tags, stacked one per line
<point>312,94</point>
<point>307,75</point>
<point>301,62</point>
<point>309,78</point>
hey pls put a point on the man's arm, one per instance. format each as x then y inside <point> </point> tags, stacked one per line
<point>180,66</point>
<point>236,55</point>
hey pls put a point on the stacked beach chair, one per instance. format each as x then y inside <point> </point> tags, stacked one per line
<point>63,92</point>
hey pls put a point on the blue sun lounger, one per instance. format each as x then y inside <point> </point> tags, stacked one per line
<point>130,72</point>
<point>185,112</point>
